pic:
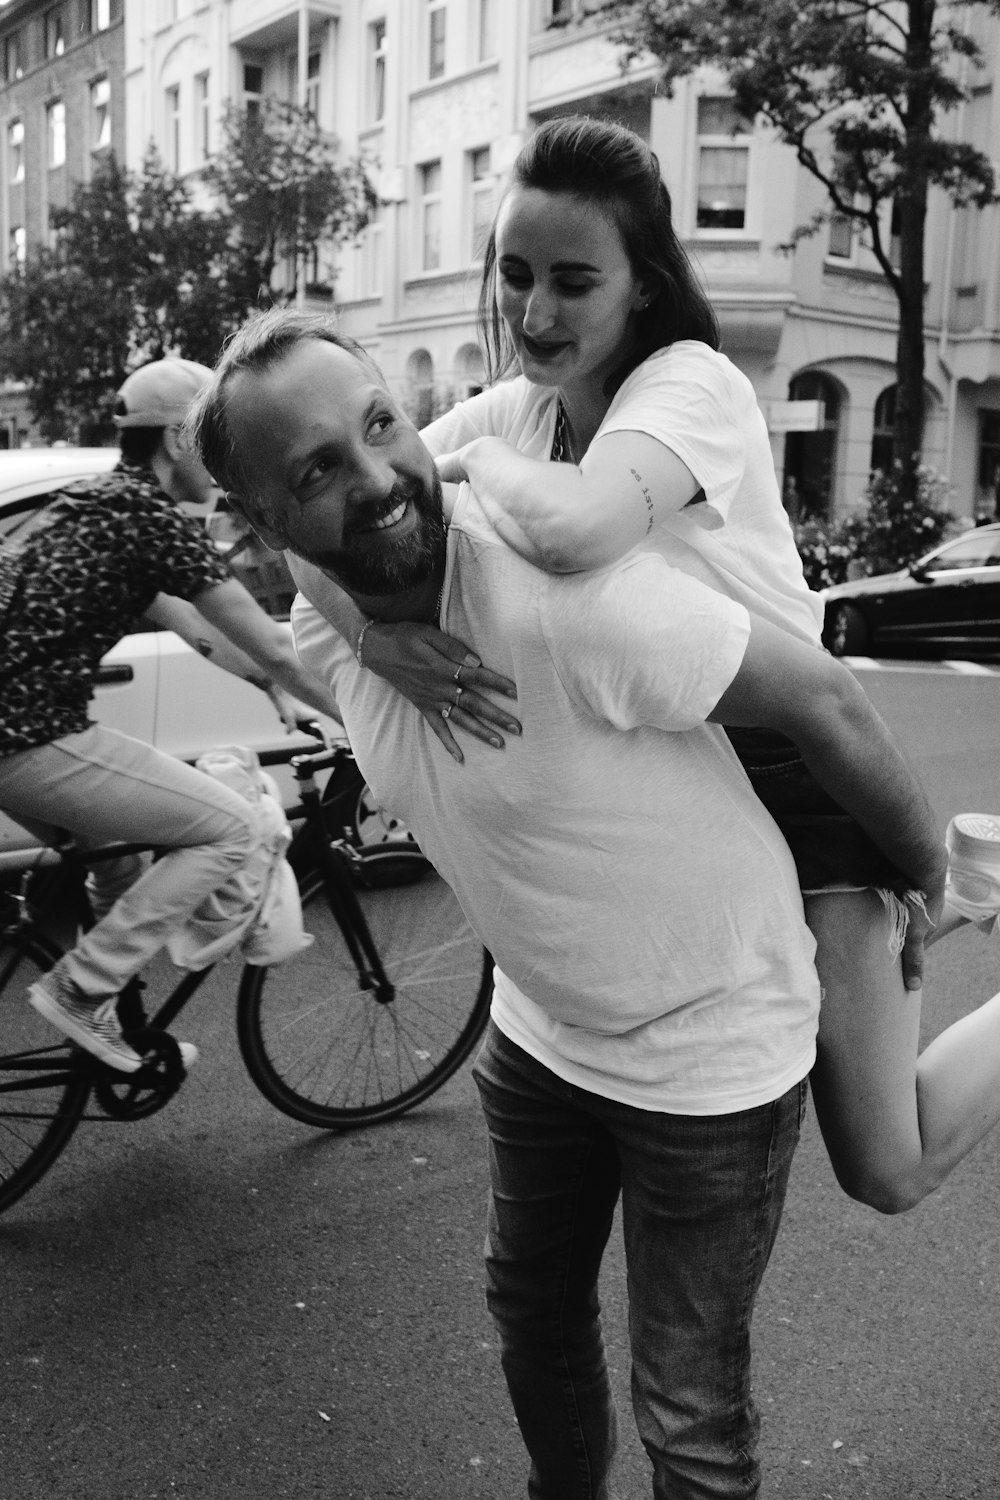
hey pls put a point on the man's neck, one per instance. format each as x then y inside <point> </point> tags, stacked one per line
<point>418,603</point>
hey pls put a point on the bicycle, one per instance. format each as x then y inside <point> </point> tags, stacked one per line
<point>371,1020</point>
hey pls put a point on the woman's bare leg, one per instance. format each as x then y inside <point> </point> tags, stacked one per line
<point>894,1123</point>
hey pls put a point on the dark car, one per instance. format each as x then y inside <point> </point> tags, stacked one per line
<point>945,605</point>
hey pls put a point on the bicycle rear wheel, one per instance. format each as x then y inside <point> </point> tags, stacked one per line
<point>43,1089</point>
<point>324,1050</point>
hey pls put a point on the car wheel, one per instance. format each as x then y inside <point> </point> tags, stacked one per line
<point>846,631</point>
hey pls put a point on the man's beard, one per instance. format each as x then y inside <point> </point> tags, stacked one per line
<point>374,562</point>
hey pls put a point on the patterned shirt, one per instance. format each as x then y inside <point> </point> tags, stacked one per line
<point>82,578</point>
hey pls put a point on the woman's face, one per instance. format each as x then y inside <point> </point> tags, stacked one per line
<point>565,288</point>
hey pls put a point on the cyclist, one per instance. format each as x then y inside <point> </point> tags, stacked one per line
<point>109,552</point>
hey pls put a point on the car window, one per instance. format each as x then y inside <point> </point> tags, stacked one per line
<point>976,550</point>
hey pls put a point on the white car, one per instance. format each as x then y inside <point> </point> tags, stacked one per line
<point>152,685</point>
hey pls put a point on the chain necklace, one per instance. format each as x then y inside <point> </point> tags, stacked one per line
<point>560,438</point>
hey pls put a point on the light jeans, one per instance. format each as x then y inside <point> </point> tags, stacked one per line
<point>701,1202</point>
<point>104,787</point>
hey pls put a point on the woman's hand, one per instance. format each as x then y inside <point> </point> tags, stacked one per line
<point>443,679</point>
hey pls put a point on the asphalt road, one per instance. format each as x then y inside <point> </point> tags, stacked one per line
<point>218,1304</point>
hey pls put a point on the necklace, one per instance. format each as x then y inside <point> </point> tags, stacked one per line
<point>560,438</point>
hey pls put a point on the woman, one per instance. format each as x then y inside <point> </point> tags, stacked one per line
<point>626,428</point>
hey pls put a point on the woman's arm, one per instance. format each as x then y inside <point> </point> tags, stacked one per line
<point>566,518</point>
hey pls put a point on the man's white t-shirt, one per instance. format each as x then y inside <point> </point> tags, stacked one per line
<point>641,906</point>
<point>698,404</point>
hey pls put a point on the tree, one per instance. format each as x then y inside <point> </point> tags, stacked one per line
<point>280,179</point>
<point>135,272</point>
<point>860,90</point>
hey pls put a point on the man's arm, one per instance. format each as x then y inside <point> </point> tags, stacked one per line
<point>785,685</point>
<point>226,624</point>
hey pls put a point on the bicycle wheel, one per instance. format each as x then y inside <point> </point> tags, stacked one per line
<point>324,1050</point>
<point>43,1091</point>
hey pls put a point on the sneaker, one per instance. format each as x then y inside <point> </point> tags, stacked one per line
<point>92,1026</point>
<point>189,1055</point>
<point>973,882</point>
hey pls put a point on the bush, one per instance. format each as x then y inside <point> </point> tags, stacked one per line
<point>888,530</point>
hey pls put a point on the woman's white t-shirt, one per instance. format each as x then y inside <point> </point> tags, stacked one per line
<point>698,404</point>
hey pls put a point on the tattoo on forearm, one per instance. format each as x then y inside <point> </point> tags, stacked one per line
<point>204,647</point>
<point>646,496</point>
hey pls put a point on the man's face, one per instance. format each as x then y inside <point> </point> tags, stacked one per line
<point>347,483</point>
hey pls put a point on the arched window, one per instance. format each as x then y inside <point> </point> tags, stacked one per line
<point>811,457</point>
<point>470,371</point>
<point>420,374</point>
<point>882,427</point>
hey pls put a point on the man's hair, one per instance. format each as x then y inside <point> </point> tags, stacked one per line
<point>611,169</point>
<point>263,342</point>
<point>137,444</point>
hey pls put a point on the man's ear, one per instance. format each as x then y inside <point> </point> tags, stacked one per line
<point>268,534</point>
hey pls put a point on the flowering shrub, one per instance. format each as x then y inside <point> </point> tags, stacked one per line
<point>886,532</point>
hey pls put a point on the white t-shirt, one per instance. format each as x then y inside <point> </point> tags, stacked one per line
<point>642,908</point>
<point>698,404</point>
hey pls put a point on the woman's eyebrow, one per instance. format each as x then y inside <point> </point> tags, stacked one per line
<point>557,265</point>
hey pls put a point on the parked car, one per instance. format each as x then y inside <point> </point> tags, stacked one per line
<point>945,605</point>
<point>152,685</point>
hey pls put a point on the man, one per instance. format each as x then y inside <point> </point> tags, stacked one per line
<point>655,1010</point>
<point>110,551</point>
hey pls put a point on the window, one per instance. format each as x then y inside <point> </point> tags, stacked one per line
<point>481,193</point>
<point>977,550</point>
<point>811,457</point>
<point>988,496</point>
<point>487,29</point>
<point>100,114</point>
<point>376,74</point>
<point>55,37</point>
<point>17,246</point>
<point>430,216</point>
<point>13,68</point>
<point>172,124</point>
<point>202,116</point>
<point>253,88</point>
<point>436,18</point>
<point>371,255</point>
<point>841,244</point>
<point>15,151</point>
<point>100,15</point>
<point>883,425</point>
<point>723,160</point>
<point>55,120</point>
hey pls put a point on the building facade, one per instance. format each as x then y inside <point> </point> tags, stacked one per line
<point>438,95</point>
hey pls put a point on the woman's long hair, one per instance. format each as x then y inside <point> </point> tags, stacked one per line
<point>612,168</point>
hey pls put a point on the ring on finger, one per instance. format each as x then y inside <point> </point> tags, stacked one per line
<point>458,671</point>
<point>446,711</point>
<point>458,695</point>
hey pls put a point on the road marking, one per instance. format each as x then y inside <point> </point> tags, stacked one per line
<point>897,664</point>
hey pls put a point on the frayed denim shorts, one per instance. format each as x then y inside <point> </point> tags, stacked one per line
<point>831,851</point>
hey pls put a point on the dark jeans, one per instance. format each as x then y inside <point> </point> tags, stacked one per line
<point>701,1203</point>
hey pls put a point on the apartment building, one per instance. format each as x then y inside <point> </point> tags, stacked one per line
<point>61,112</point>
<point>438,95</point>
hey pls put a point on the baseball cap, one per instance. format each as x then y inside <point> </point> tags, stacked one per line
<point>160,394</point>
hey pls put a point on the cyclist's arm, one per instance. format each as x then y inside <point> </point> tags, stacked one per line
<point>568,517</point>
<point>265,643</point>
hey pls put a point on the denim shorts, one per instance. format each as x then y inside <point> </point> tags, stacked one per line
<point>831,851</point>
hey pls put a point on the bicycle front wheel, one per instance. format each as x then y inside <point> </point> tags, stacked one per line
<point>323,1049</point>
<point>43,1088</point>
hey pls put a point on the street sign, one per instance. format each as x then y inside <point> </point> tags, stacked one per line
<point>794,416</point>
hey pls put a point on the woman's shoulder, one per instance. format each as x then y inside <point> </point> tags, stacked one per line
<point>689,365</point>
